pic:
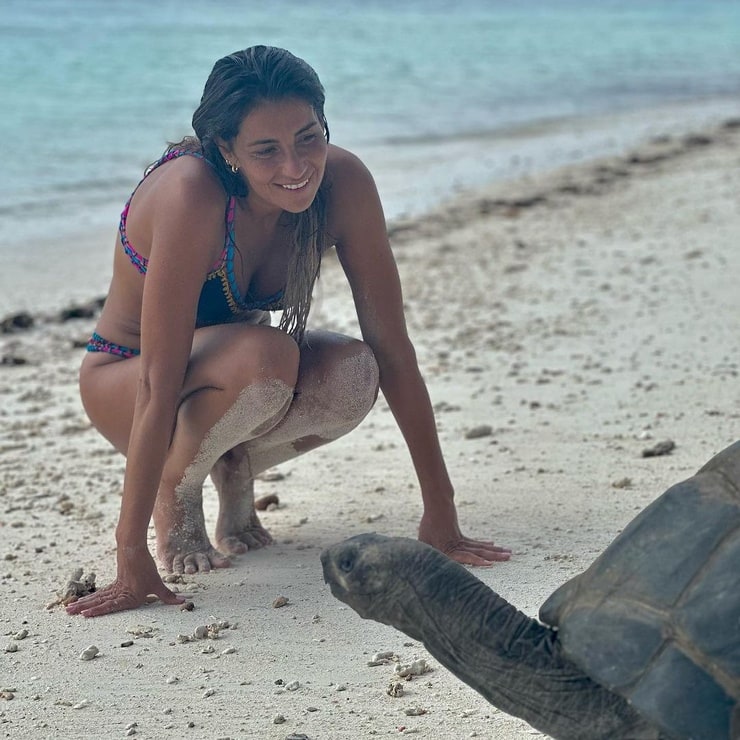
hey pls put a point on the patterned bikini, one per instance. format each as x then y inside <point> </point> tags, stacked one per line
<point>220,300</point>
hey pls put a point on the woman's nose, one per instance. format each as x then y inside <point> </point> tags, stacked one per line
<point>294,165</point>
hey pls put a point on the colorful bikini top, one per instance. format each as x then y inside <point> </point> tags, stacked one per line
<point>220,300</point>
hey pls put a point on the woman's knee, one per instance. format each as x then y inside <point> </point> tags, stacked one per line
<point>239,357</point>
<point>352,381</point>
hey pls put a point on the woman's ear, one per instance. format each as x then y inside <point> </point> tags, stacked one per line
<point>225,150</point>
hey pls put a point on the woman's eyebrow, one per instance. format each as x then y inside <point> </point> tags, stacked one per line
<point>262,142</point>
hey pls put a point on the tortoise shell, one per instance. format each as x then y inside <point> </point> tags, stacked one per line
<point>656,618</point>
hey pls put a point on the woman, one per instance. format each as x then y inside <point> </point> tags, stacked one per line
<point>184,374</point>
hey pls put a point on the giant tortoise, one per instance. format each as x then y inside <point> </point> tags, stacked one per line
<point>643,644</point>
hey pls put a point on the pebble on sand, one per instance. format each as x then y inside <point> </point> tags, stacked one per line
<point>89,653</point>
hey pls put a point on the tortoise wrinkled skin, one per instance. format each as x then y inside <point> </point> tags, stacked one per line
<point>643,644</point>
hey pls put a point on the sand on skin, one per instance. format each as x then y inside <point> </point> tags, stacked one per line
<point>582,315</point>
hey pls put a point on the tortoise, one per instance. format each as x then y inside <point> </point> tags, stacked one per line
<point>643,644</point>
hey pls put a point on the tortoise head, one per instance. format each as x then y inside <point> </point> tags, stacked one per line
<point>368,572</point>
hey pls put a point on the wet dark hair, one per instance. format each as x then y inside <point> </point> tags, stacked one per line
<point>239,83</point>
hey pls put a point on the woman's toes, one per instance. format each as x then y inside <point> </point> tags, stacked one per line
<point>233,545</point>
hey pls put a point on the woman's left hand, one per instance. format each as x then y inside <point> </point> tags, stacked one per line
<point>447,538</point>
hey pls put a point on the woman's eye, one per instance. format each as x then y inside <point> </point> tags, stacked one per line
<point>308,139</point>
<point>263,153</point>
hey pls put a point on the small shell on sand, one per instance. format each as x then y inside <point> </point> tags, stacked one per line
<point>280,601</point>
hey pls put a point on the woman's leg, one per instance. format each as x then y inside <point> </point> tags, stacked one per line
<point>239,384</point>
<point>336,388</point>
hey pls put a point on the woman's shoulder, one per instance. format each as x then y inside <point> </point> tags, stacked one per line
<point>182,201</point>
<point>347,176</point>
<point>354,207</point>
<point>344,163</point>
<point>189,179</point>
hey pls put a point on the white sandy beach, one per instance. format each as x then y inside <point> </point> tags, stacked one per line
<point>583,315</point>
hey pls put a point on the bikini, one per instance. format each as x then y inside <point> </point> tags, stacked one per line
<point>220,299</point>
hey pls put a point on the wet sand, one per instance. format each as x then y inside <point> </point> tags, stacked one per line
<point>564,323</point>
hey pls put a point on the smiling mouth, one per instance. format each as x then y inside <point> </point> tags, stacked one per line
<point>297,186</point>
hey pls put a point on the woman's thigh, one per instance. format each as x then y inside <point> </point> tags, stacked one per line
<point>229,355</point>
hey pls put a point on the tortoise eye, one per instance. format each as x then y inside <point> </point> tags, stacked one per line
<point>347,562</point>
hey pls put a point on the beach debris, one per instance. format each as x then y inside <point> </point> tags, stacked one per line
<point>278,719</point>
<point>89,653</point>
<point>293,685</point>
<point>483,430</point>
<point>13,360</point>
<point>208,692</point>
<point>21,635</point>
<point>174,578</point>
<point>661,448</point>
<point>141,630</point>
<point>383,658</point>
<point>263,503</point>
<point>415,668</point>
<point>414,711</point>
<point>205,632</point>
<point>86,310</point>
<point>188,606</point>
<point>622,483</point>
<point>16,322</point>
<point>395,689</point>
<point>272,475</point>
<point>7,694</point>
<point>11,647</point>
<point>280,601</point>
<point>298,735</point>
<point>77,586</point>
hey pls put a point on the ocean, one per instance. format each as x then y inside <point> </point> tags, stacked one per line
<point>434,96</point>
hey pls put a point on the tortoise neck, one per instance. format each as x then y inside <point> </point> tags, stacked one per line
<point>512,660</point>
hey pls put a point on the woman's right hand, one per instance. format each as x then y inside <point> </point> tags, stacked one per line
<point>131,588</point>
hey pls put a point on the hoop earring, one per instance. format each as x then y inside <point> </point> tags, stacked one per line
<point>234,168</point>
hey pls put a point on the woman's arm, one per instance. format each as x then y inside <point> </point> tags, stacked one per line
<point>183,217</point>
<point>357,221</point>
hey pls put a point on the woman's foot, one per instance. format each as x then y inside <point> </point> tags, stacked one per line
<point>182,542</point>
<point>238,528</point>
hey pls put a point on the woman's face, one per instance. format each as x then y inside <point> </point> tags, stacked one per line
<point>281,152</point>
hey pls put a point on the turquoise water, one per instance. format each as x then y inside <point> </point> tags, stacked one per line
<point>434,96</point>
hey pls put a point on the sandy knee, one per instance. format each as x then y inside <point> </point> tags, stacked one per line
<point>351,382</point>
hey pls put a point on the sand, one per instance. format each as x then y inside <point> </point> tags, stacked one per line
<point>564,324</point>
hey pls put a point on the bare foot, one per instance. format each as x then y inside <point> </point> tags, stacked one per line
<point>238,528</point>
<point>182,542</point>
<point>248,535</point>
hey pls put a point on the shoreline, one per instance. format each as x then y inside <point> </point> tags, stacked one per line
<point>69,252</point>
<point>586,176</point>
<point>570,319</point>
